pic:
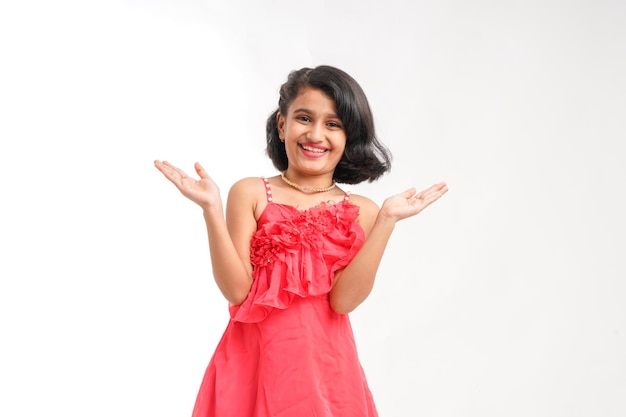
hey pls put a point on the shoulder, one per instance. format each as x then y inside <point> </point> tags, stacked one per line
<point>247,185</point>
<point>368,210</point>
<point>366,204</point>
<point>247,194</point>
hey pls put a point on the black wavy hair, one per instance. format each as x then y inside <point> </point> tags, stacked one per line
<point>365,158</point>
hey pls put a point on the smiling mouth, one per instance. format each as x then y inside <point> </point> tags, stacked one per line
<point>312,149</point>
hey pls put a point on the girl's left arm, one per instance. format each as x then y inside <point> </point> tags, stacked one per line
<point>354,283</point>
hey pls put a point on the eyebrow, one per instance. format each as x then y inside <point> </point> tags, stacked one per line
<point>302,109</point>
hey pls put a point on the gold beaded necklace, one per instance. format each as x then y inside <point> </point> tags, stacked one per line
<point>306,188</point>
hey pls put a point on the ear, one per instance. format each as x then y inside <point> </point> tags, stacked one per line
<point>280,124</point>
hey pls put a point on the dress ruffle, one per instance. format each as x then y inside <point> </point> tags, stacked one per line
<point>307,263</point>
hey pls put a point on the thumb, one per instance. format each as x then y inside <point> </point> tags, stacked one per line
<point>201,172</point>
<point>408,193</point>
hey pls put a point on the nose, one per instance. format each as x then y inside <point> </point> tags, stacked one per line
<point>316,132</point>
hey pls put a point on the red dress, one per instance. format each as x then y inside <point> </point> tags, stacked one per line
<point>285,352</point>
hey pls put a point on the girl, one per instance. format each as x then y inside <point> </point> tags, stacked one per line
<point>296,253</point>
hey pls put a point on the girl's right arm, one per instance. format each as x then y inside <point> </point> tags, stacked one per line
<point>229,242</point>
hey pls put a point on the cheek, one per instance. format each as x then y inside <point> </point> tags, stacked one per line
<point>341,144</point>
<point>341,149</point>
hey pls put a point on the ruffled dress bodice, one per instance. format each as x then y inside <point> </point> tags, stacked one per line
<point>295,253</point>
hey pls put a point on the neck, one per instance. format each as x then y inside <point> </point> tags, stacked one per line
<point>306,188</point>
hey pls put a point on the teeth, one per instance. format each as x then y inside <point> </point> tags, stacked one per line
<point>316,150</point>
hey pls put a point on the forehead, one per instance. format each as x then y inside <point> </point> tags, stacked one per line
<point>313,99</point>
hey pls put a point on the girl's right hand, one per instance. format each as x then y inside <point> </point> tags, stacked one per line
<point>203,192</point>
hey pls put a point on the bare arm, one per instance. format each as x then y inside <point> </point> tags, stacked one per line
<point>354,283</point>
<point>231,269</point>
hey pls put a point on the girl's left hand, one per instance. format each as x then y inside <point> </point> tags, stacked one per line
<point>410,202</point>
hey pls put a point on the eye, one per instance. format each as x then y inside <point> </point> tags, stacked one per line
<point>334,125</point>
<point>303,118</point>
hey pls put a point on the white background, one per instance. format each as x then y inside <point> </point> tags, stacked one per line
<point>506,298</point>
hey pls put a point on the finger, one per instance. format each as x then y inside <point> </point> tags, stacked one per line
<point>175,169</point>
<point>434,187</point>
<point>170,172</point>
<point>163,168</point>
<point>441,190</point>
<point>200,170</point>
<point>434,195</point>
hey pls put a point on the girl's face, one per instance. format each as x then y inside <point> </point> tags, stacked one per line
<point>313,133</point>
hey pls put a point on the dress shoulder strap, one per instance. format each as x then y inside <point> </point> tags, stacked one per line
<point>268,189</point>
<point>346,196</point>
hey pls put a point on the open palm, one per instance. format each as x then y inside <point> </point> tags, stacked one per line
<point>409,203</point>
<point>203,191</point>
